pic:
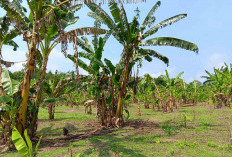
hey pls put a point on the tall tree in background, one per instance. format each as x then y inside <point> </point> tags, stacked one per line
<point>43,15</point>
<point>97,71</point>
<point>51,37</point>
<point>132,36</point>
<point>32,38</point>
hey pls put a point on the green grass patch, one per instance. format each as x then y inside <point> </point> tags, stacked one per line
<point>206,134</point>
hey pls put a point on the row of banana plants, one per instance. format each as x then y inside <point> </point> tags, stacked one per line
<point>45,27</point>
<point>220,85</point>
<point>166,93</point>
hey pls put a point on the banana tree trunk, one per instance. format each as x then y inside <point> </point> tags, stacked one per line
<point>21,120</point>
<point>120,103</point>
<point>51,110</point>
<point>111,87</point>
<point>70,101</point>
<point>41,78</point>
<point>139,112</point>
<point>125,73</point>
<point>161,102</point>
<point>38,96</point>
<point>136,80</point>
<point>125,77</point>
<point>175,103</point>
<point>195,100</point>
<point>184,98</point>
<point>100,110</point>
<point>122,93</point>
<point>146,103</point>
<point>171,103</point>
<point>103,112</point>
<point>77,78</point>
<point>1,87</point>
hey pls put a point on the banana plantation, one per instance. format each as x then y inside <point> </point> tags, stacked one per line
<point>113,108</point>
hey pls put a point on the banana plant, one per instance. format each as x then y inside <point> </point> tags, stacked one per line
<point>204,93</point>
<point>136,77</point>
<point>98,71</point>
<point>195,88</point>
<point>9,105</point>
<point>48,42</point>
<point>24,147</point>
<point>189,92</point>
<point>52,37</point>
<point>171,85</point>
<point>104,75</point>
<point>28,26</point>
<point>55,91</point>
<point>220,83</point>
<point>145,87</point>
<point>132,36</point>
<point>184,92</point>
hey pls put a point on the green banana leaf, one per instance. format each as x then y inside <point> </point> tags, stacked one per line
<point>19,143</point>
<point>10,86</point>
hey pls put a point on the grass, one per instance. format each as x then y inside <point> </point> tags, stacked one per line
<point>72,114</point>
<point>152,134</point>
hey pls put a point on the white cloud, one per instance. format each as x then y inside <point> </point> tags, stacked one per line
<point>52,67</point>
<point>14,56</point>
<point>155,75</point>
<point>216,60</point>
<point>83,72</point>
<point>114,61</point>
<point>57,61</point>
<point>171,71</point>
<point>17,67</point>
<point>198,77</point>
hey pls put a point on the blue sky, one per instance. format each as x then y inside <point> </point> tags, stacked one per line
<point>208,25</point>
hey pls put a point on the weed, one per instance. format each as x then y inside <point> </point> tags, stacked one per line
<point>212,144</point>
<point>184,144</point>
<point>186,118</point>
<point>171,152</point>
<point>157,141</point>
<point>170,129</point>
